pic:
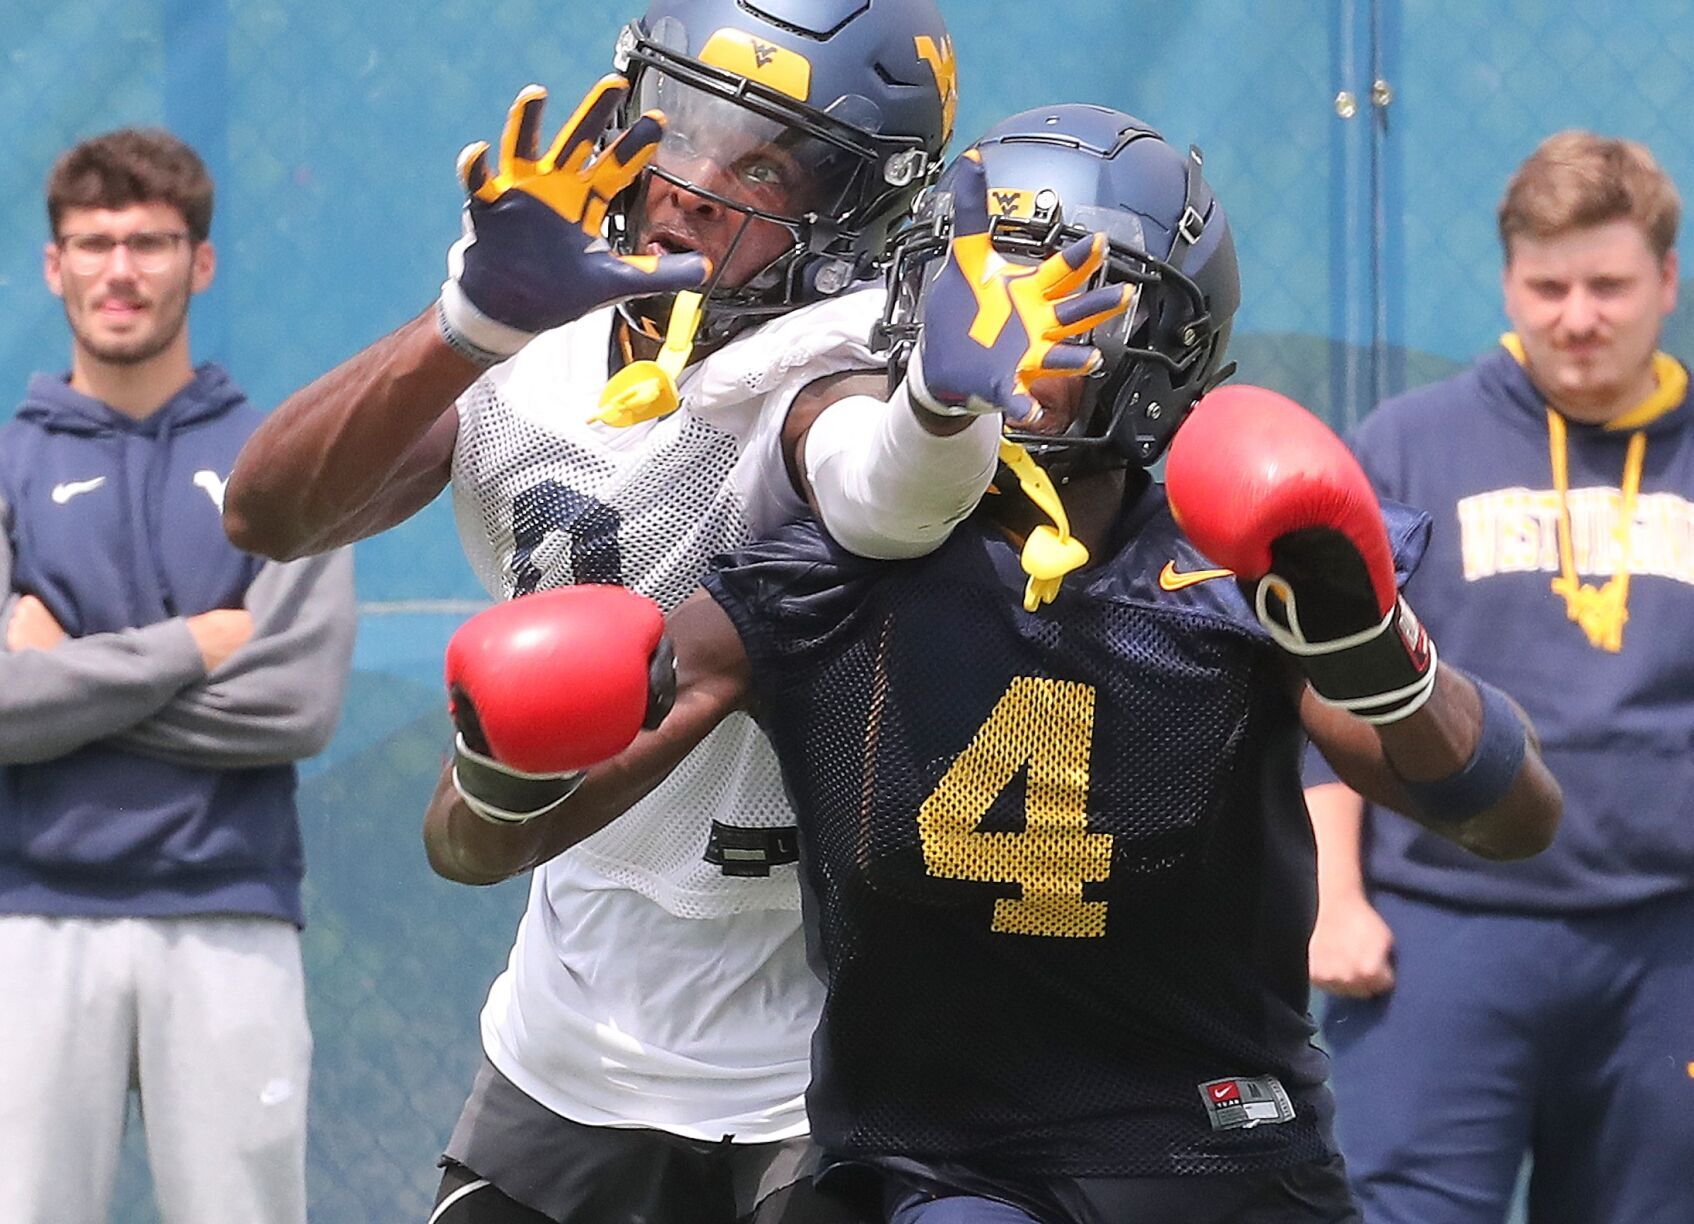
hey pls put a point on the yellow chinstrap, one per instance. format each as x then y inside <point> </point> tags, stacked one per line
<point>1049,553</point>
<point>646,390</point>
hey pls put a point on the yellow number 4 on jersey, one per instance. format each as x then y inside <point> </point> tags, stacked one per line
<point>1047,725</point>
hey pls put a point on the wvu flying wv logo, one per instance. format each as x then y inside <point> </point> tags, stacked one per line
<point>1011,202</point>
<point>776,67</point>
<point>945,65</point>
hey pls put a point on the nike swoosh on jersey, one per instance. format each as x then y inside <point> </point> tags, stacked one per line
<point>1172,579</point>
<point>62,493</point>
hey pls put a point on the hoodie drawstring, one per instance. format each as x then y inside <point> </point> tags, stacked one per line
<point>1601,611</point>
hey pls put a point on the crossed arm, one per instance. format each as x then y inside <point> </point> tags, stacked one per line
<point>231,688</point>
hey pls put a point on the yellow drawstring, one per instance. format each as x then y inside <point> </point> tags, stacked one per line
<point>1601,611</point>
<point>1049,553</point>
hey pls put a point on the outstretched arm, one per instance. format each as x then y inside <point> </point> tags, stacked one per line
<point>370,442</point>
<point>1264,488</point>
<point>1431,766</point>
<point>711,682</point>
<point>277,699</point>
<point>885,476</point>
<point>365,446</point>
<point>891,475</point>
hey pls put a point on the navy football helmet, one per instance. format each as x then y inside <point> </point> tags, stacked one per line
<point>825,117</point>
<point>1056,174</point>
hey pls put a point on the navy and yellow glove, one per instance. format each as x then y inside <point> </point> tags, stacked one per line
<point>991,327</point>
<point>532,256</point>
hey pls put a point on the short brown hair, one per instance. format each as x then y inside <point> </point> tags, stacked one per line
<point>132,166</point>
<point>1576,179</point>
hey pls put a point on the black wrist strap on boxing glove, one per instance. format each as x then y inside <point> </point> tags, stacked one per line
<point>502,795</point>
<point>1382,674</point>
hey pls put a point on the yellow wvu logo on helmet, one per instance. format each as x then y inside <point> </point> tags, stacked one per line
<point>739,52</point>
<point>1011,202</point>
<point>945,66</point>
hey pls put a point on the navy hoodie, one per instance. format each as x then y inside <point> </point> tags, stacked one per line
<point>115,799</point>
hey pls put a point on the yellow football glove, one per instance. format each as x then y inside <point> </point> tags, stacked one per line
<point>532,256</point>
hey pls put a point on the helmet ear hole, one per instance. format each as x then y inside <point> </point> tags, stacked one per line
<point>1146,411</point>
<point>1155,399</point>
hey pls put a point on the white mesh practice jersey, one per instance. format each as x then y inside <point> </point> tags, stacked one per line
<point>545,498</point>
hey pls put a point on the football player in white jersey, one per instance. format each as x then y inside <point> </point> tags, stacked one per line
<point>647,1044</point>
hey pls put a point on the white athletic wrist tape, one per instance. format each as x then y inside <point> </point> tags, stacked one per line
<point>463,326</point>
<point>470,332</point>
<point>888,488</point>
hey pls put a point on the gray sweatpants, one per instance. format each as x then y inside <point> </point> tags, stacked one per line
<point>205,1016</point>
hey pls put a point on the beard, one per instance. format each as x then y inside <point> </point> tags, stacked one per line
<point>132,350</point>
<point>170,316</point>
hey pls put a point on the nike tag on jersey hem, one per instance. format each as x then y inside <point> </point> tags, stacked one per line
<point>1241,1104</point>
<point>1173,579</point>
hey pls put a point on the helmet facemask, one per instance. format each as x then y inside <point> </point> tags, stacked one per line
<point>748,152</point>
<point>1153,351</point>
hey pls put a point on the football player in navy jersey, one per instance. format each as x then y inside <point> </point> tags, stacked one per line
<point>1058,871</point>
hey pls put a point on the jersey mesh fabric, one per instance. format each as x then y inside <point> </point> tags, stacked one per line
<point>646,987</point>
<point>551,504</point>
<point>1103,900</point>
<point>545,499</point>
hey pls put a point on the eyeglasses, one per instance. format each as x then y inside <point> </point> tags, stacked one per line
<point>149,250</point>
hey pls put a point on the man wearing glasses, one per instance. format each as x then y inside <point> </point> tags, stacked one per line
<point>157,685</point>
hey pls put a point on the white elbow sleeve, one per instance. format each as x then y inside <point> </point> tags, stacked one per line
<point>888,488</point>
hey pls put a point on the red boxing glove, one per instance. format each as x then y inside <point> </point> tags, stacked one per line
<point>1266,489</point>
<point>545,686</point>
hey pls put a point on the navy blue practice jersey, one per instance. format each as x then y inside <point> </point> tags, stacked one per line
<point>1058,869</point>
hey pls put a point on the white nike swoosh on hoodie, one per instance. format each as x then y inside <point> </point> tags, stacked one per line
<point>62,493</point>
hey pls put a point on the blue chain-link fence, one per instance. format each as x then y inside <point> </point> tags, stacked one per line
<point>1359,145</point>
